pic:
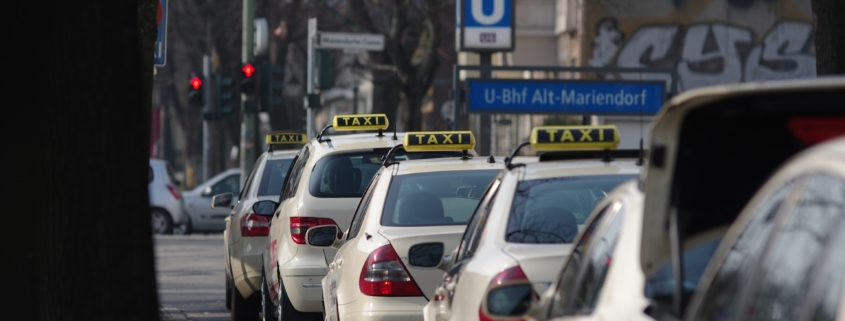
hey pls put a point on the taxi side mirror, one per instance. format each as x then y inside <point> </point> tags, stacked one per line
<point>428,255</point>
<point>222,201</point>
<point>323,236</point>
<point>508,301</point>
<point>265,208</point>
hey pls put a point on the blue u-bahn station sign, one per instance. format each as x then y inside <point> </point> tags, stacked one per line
<point>516,96</point>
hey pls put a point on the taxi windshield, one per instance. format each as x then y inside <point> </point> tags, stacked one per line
<point>553,210</point>
<point>440,198</point>
<point>274,177</point>
<point>347,174</point>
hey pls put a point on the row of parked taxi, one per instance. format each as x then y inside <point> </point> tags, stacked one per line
<point>734,212</point>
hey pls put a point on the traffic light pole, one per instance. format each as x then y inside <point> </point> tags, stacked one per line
<point>248,110</point>
<point>309,114</point>
<point>206,74</point>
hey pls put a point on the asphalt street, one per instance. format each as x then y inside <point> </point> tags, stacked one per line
<point>190,277</point>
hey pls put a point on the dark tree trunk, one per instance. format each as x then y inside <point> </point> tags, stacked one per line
<point>86,244</point>
<point>829,27</point>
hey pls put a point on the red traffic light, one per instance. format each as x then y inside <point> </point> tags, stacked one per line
<point>196,83</point>
<point>248,70</point>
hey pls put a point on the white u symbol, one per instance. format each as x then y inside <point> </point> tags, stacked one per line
<point>480,17</point>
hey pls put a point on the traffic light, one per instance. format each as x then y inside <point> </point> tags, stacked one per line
<point>271,85</point>
<point>195,90</point>
<point>226,102</point>
<point>248,79</point>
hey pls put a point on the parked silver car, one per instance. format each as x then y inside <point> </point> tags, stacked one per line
<point>201,217</point>
<point>167,208</point>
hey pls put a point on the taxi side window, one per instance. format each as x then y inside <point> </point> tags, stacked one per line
<point>476,225</point>
<point>778,287</point>
<point>823,298</point>
<point>246,187</point>
<point>598,261</point>
<point>561,301</point>
<point>722,295</point>
<point>363,205</point>
<point>296,173</point>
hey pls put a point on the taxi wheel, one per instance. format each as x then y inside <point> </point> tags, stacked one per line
<point>244,309</point>
<point>268,309</point>
<point>161,221</point>
<point>228,293</point>
<point>286,311</point>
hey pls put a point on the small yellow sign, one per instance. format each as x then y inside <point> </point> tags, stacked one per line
<point>553,138</point>
<point>444,140</point>
<point>360,122</point>
<point>277,138</point>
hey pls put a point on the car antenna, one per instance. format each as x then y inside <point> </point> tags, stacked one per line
<point>395,125</point>
<point>320,138</point>
<point>509,160</point>
<point>385,161</point>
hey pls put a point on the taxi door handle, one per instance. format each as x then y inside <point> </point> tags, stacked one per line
<point>339,262</point>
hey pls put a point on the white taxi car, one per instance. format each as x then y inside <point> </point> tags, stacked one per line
<point>326,182</point>
<point>601,279</point>
<point>712,148</point>
<point>246,231</point>
<point>524,227</point>
<point>784,256</point>
<point>385,268</point>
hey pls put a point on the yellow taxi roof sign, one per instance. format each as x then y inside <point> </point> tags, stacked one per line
<point>285,137</point>
<point>554,138</point>
<point>360,122</point>
<point>440,140</point>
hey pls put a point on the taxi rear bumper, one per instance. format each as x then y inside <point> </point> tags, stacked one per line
<point>303,284</point>
<point>384,308</point>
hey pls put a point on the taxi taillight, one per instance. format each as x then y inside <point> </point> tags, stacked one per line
<point>255,225</point>
<point>300,225</point>
<point>384,274</point>
<point>813,130</point>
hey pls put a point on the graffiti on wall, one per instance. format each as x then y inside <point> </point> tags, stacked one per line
<point>706,53</point>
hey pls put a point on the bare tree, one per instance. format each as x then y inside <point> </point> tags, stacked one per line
<point>829,36</point>
<point>412,35</point>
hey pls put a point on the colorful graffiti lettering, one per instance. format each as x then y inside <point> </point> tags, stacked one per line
<point>708,53</point>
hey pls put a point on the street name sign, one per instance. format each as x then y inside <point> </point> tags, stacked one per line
<point>485,25</point>
<point>160,48</point>
<point>517,96</point>
<point>342,40</point>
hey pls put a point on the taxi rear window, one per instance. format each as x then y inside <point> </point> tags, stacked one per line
<point>274,177</point>
<point>439,198</point>
<point>553,210</point>
<point>347,175</point>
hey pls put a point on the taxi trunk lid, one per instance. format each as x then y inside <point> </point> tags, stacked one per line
<point>403,238</point>
<point>340,210</point>
<point>540,262</point>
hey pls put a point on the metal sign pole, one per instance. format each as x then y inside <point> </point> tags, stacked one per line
<point>248,113</point>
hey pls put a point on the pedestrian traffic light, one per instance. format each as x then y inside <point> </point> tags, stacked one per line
<point>195,90</point>
<point>225,101</point>
<point>248,79</point>
<point>271,84</point>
